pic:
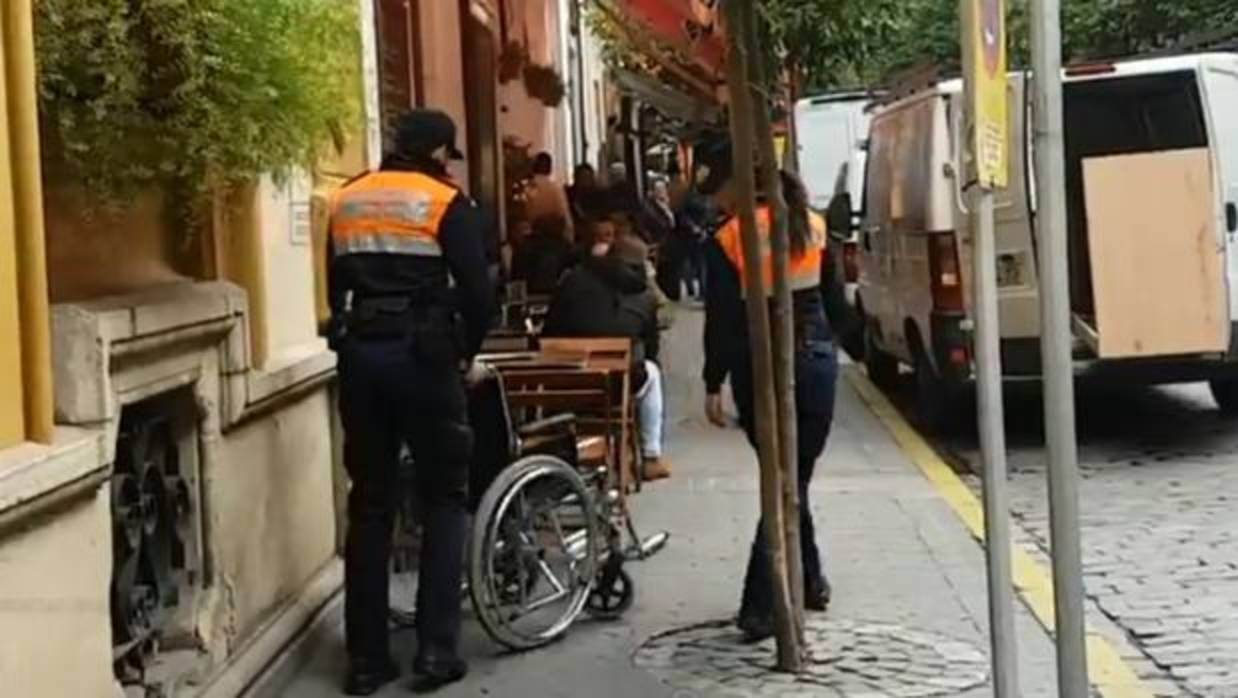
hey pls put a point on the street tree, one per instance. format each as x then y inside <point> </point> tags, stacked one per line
<point>850,43</point>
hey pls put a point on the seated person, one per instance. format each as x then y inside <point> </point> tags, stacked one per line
<point>596,238</point>
<point>607,296</point>
<point>540,259</point>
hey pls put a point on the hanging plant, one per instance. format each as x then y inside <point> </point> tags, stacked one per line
<point>512,60</point>
<point>135,94</point>
<point>542,82</point>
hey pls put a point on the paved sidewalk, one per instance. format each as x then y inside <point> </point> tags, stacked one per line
<point>909,615</point>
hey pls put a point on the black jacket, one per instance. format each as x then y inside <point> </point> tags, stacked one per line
<point>656,227</point>
<point>821,314</point>
<point>540,260</point>
<point>607,297</point>
<point>462,235</point>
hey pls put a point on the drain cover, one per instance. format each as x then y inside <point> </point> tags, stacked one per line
<point>847,658</point>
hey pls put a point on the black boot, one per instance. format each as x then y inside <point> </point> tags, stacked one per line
<point>434,672</point>
<point>366,677</point>
<point>817,596</point>
<point>755,628</point>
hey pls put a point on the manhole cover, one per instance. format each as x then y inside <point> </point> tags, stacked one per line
<point>853,659</point>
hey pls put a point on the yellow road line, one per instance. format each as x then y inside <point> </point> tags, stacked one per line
<point>1110,674</point>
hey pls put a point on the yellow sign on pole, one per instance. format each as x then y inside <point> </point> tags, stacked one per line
<point>985,61</point>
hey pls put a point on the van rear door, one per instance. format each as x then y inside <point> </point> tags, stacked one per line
<point>828,131</point>
<point>1221,85</point>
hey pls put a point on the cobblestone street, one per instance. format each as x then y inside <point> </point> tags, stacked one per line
<point>1160,529</point>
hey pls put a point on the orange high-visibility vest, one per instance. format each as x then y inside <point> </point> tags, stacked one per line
<point>390,213</point>
<point>804,270</point>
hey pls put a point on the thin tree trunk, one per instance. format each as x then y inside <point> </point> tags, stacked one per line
<point>739,15</point>
<point>795,79</point>
<point>763,81</point>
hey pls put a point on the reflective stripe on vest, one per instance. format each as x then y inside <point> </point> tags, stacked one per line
<point>804,271</point>
<point>390,213</point>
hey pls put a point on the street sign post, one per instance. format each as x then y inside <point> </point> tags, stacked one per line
<point>984,60</point>
<point>986,72</point>
<point>1055,350</point>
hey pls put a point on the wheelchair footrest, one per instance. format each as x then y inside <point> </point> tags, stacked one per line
<point>648,547</point>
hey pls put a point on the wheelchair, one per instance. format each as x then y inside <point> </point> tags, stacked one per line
<point>550,536</point>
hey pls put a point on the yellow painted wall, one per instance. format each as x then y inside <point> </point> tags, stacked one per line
<point>12,423</point>
<point>331,175</point>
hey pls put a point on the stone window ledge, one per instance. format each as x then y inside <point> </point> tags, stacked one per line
<point>111,348</point>
<point>118,350</point>
<point>37,477</point>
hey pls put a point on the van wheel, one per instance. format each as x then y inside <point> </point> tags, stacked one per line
<point>939,406</point>
<point>882,368</point>
<point>853,343</point>
<point>1225,392</point>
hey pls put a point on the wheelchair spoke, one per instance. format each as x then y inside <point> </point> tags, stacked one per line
<point>542,602</point>
<point>551,577</point>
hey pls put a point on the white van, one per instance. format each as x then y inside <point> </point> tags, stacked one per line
<point>1145,140</point>
<point>831,132</point>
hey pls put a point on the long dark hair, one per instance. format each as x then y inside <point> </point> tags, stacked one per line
<point>798,226</point>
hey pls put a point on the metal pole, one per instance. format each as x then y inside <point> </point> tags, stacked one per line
<point>991,420</point>
<point>1055,348</point>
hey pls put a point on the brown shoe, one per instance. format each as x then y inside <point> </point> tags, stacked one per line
<point>657,469</point>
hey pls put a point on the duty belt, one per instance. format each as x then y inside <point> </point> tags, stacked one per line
<point>395,316</point>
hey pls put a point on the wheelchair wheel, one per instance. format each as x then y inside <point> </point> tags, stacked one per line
<point>614,591</point>
<point>533,552</point>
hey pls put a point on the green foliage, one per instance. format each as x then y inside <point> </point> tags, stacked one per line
<point>837,42</point>
<point>195,92</point>
<point>841,43</point>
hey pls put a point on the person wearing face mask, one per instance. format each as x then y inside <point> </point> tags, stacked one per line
<point>607,296</point>
<point>411,301</point>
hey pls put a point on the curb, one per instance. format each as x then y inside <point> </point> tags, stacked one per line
<point>1109,673</point>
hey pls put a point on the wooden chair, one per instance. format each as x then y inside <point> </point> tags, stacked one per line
<point>613,355</point>
<point>539,391</point>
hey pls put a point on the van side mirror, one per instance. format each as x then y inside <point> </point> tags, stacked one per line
<point>838,217</point>
<point>1231,217</point>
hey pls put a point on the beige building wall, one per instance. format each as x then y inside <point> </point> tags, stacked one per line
<point>279,527</point>
<point>56,633</point>
<point>285,226</point>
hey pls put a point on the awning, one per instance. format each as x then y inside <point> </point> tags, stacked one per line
<point>690,26</point>
<point>666,99</point>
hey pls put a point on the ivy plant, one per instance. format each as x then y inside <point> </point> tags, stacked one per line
<point>194,93</point>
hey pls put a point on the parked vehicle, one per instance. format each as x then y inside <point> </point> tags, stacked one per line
<point>1147,115</point>
<point>829,130</point>
<point>832,144</point>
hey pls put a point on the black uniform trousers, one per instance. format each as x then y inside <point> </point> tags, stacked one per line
<point>816,374</point>
<point>390,397</point>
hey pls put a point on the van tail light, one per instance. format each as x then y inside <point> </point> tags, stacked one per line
<point>851,261</point>
<point>947,281</point>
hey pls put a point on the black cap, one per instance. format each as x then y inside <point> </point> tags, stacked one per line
<point>420,132</point>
